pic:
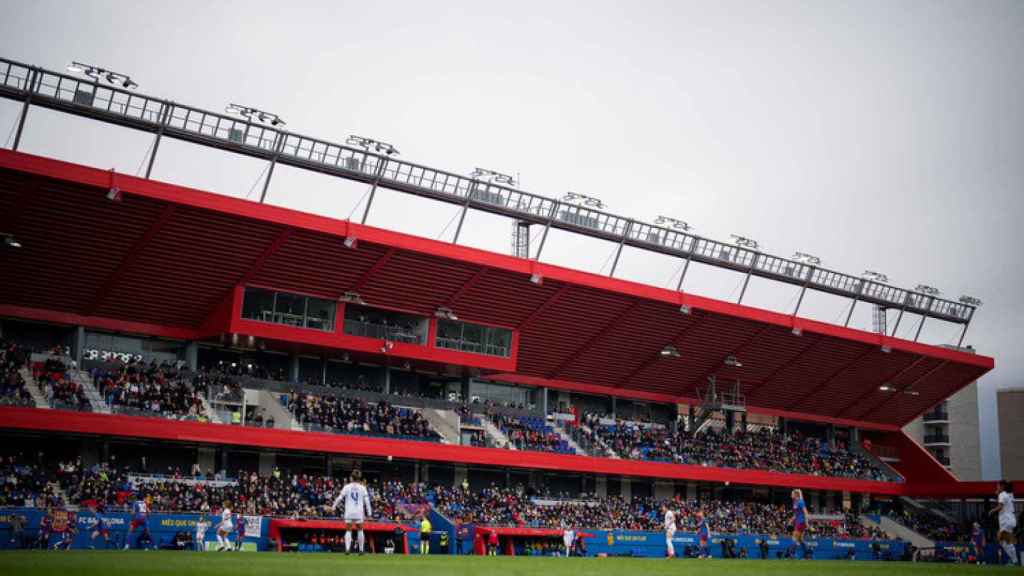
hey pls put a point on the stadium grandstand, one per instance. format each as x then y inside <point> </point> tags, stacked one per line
<point>183,352</point>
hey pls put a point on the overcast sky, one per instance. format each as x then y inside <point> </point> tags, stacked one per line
<point>875,135</point>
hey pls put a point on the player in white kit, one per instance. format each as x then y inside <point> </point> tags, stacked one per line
<point>670,530</point>
<point>1007,521</point>
<point>357,507</point>
<point>224,528</point>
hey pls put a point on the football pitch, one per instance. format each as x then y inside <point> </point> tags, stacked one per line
<point>137,563</point>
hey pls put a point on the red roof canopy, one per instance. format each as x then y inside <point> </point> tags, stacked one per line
<point>162,260</point>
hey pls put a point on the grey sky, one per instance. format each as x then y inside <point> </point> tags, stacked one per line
<point>881,135</point>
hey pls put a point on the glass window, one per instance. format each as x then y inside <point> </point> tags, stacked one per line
<point>320,315</point>
<point>258,304</point>
<point>290,309</point>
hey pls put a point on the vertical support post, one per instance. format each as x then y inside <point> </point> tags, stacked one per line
<point>899,317</point>
<point>963,333</point>
<point>618,251</point>
<point>547,227</point>
<point>462,216</point>
<point>686,266</point>
<point>919,327</point>
<point>746,280</point>
<point>273,162</point>
<point>32,80</point>
<point>373,189</point>
<point>387,376</point>
<point>850,313</point>
<point>79,344</point>
<point>803,289</point>
<point>164,111</point>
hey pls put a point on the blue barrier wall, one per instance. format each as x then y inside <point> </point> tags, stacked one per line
<point>163,527</point>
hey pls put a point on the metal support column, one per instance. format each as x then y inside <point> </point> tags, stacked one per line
<point>547,227</point>
<point>462,217</point>
<point>618,251</point>
<point>899,318</point>
<point>273,162</point>
<point>32,79</point>
<point>686,266</point>
<point>919,327</point>
<point>165,111</point>
<point>746,280</point>
<point>373,189</point>
<point>803,290</point>
<point>850,314</point>
<point>960,342</point>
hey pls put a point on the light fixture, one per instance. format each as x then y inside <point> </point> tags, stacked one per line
<point>536,279</point>
<point>732,361</point>
<point>885,388</point>
<point>369,144</point>
<point>254,114</point>
<point>493,176</point>
<point>927,290</point>
<point>672,223</point>
<point>352,298</point>
<point>670,351</point>
<point>11,242</point>
<point>406,366</point>
<point>807,258</point>
<point>446,313</point>
<point>875,276</point>
<point>114,194</point>
<point>886,349</point>
<point>970,301</point>
<point>744,242</point>
<point>102,75</point>
<point>584,200</point>
<point>911,392</point>
<point>350,242</point>
<point>685,309</point>
<point>798,331</point>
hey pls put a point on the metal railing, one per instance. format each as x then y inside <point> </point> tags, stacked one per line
<point>474,347</point>
<point>86,98</point>
<point>936,415</point>
<point>382,331</point>
<point>936,439</point>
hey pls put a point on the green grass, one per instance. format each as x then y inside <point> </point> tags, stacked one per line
<point>141,563</point>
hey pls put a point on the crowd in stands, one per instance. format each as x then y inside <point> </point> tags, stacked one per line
<point>110,486</point>
<point>931,525</point>
<point>12,385</point>
<point>531,433</point>
<point>761,450</point>
<point>356,416</point>
<point>57,384</point>
<point>23,483</point>
<point>160,387</point>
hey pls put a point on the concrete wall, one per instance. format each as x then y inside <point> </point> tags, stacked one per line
<point>964,434</point>
<point>1010,407</point>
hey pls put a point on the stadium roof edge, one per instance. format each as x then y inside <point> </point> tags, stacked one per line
<point>175,194</point>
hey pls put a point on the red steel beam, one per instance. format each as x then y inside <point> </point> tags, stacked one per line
<point>884,401</point>
<point>269,251</point>
<point>871,391</point>
<point>696,381</point>
<point>675,341</point>
<point>130,258</point>
<point>771,377</point>
<point>465,287</point>
<point>551,301</point>
<point>608,327</point>
<point>817,388</point>
<point>380,263</point>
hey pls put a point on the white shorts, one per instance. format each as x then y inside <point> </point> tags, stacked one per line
<point>669,534</point>
<point>358,518</point>
<point>1007,525</point>
<point>226,527</point>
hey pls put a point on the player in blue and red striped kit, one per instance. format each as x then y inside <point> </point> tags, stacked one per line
<point>703,535</point>
<point>140,519</point>
<point>799,522</point>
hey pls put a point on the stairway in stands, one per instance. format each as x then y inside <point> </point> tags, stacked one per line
<point>84,381</point>
<point>496,436</point>
<point>33,389</point>
<point>557,427</point>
